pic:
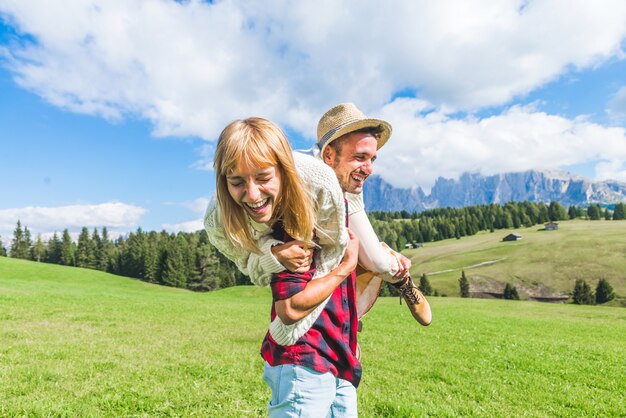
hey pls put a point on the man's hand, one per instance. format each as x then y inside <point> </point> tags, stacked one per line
<point>404,264</point>
<point>295,256</point>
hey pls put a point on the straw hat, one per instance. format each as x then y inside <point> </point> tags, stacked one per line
<point>345,118</point>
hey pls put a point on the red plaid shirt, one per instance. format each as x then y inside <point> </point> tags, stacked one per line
<point>330,344</point>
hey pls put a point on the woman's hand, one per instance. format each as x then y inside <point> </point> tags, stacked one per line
<point>295,256</point>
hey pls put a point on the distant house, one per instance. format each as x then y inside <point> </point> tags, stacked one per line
<point>412,245</point>
<point>552,226</point>
<point>514,236</point>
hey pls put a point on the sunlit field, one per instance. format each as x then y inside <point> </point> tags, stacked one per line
<point>580,249</point>
<point>77,342</point>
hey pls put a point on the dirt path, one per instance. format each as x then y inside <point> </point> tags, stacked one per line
<point>484,263</point>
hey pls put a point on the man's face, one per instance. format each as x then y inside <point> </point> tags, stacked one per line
<point>354,162</point>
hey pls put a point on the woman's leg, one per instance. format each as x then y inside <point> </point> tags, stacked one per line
<point>344,405</point>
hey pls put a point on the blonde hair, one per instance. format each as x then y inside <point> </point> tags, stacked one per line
<point>258,142</point>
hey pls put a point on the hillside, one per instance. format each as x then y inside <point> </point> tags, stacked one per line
<point>587,250</point>
<point>77,342</point>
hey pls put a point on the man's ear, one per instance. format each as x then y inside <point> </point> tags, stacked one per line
<point>329,155</point>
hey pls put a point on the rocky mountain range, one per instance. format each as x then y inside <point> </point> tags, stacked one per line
<point>476,189</point>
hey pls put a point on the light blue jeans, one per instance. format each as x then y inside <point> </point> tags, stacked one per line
<point>298,391</point>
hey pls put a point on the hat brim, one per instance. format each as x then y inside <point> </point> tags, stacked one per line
<point>361,124</point>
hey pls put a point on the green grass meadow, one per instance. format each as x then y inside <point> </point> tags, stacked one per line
<point>580,249</point>
<point>81,343</point>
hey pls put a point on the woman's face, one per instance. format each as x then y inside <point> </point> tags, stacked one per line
<point>256,190</point>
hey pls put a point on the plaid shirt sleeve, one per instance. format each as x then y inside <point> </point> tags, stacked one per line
<point>286,284</point>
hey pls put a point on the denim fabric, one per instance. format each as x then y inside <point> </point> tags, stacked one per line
<point>298,391</point>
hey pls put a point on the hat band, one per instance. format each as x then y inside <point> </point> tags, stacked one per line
<point>330,133</point>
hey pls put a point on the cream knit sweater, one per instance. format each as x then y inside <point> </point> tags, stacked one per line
<point>331,233</point>
<point>373,255</point>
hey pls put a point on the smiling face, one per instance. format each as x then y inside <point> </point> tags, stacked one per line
<point>255,189</point>
<point>352,159</point>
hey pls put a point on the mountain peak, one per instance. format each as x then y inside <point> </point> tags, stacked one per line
<point>477,189</point>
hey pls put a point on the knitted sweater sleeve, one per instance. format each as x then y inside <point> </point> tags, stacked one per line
<point>331,231</point>
<point>259,267</point>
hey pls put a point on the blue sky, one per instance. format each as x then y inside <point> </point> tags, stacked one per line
<point>109,112</point>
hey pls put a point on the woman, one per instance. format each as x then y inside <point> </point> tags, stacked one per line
<point>262,200</point>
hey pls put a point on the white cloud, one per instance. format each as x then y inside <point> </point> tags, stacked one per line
<point>192,67</point>
<point>616,107</point>
<point>205,163</point>
<point>190,226</point>
<point>427,143</point>
<point>198,205</point>
<point>116,216</point>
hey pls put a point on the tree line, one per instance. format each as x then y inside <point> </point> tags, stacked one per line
<point>185,259</point>
<point>401,227</point>
<point>188,260</point>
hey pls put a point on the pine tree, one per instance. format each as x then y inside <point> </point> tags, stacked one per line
<point>67,249</point>
<point>571,212</point>
<point>510,292</point>
<point>152,258</point>
<point>53,250</point>
<point>28,243</point>
<point>104,252</point>
<point>19,248</point>
<point>464,285</point>
<point>507,291</point>
<point>209,274</point>
<point>191,255</point>
<point>38,251</point>
<point>3,250</point>
<point>619,213</point>
<point>594,212</point>
<point>85,256</point>
<point>425,286</point>
<point>175,267</point>
<point>604,292</point>
<point>532,211</point>
<point>556,212</point>
<point>96,248</point>
<point>133,256</point>
<point>544,214</point>
<point>582,293</point>
<point>115,256</point>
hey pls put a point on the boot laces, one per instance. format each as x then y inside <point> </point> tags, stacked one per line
<point>409,292</point>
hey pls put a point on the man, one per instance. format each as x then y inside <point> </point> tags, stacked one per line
<point>323,343</point>
<point>348,142</point>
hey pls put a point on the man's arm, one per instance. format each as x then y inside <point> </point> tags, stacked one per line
<point>296,307</point>
<point>373,255</point>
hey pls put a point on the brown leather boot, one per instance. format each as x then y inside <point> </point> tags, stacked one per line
<point>415,300</point>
